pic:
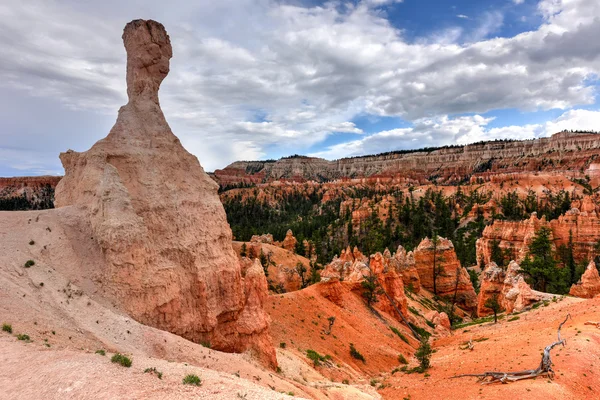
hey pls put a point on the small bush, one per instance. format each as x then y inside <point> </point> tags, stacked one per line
<point>29,263</point>
<point>205,344</point>
<point>154,371</point>
<point>282,345</point>
<point>24,337</point>
<point>31,242</point>
<point>355,354</point>
<point>423,354</point>
<point>422,332</point>
<point>400,335</point>
<point>346,382</point>
<point>402,359</point>
<point>316,357</point>
<point>515,318</point>
<point>7,328</point>
<point>121,359</point>
<point>101,352</point>
<point>193,380</point>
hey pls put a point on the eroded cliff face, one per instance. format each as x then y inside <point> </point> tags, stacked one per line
<point>514,237</point>
<point>513,293</point>
<point>157,217</point>
<point>589,284</point>
<point>451,278</point>
<point>563,151</point>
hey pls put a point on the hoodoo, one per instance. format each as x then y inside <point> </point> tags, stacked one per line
<point>157,217</point>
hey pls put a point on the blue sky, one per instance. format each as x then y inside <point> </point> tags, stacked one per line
<point>258,79</point>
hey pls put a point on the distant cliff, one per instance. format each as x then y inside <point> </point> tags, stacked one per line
<point>563,151</point>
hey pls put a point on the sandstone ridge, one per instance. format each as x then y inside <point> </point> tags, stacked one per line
<point>158,220</point>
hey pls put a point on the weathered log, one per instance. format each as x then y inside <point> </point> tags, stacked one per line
<point>544,369</point>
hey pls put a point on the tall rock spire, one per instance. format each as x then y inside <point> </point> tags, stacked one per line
<point>158,219</point>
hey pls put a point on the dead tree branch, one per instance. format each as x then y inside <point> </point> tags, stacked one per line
<point>544,369</point>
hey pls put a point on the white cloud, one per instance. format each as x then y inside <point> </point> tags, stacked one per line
<point>463,16</point>
<point>251,75</point>
<point>518,1</point>
<point>441,131</point>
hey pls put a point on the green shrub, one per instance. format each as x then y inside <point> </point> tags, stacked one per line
<point>402,359</point>
<point>282,345</point>
<point>24,337</point>
<point>7,328</point>
<point>355,354</point>
<point>205,344</point>
<point>316,357</point>
<point>423,354</point>
<point>101,352</point>
<point>192,379</point>
<point>29,263</point>
<point>516,317</point>
<point>400,335</point>
<point>122,360</point>
<point>154,371</point>
<point>422,332</point>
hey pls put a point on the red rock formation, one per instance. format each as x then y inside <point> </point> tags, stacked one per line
<point>448,267</point>
<point>514,294</point>
<point>589,284</point>
<point>517,235</point>
<point>513,237</point>
<point>351,268</point>
<point>405,265</point>
<point>290,242</point>
<point>158,219</point>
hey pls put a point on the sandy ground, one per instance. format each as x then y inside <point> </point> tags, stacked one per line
<point>511,346</point>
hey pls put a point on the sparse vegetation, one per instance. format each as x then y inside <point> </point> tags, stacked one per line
<point>356,354</point>
<point>153,370</point>
<point>31,242</point>
<point>402,359</point>
<point>121,360</point>
<point>423,354</point>
<point>29,263</point>
<point>101,352</point>
<point>493,304</point>
<point>316,358</point>
<point>24,337</point>
<point>192,379</point>
<point>400,334</point>
<point>7,328</point>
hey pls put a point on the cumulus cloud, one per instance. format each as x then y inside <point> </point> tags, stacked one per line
<point>250,75</point>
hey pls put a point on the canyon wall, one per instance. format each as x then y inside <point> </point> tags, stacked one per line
<point>157,217</point>
<point>564,151</point>
<point>514,237</point>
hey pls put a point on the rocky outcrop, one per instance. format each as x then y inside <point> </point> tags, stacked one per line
<point>451,278</point>
<point>289,242</point>
<point>265,238</point>
<point>157,217</point>
<point>510,287</point>
<point>514,237</point>
<point>405,265</point>
<point>589,284</point>
<point>351,268</point>
<point>564,151</point>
